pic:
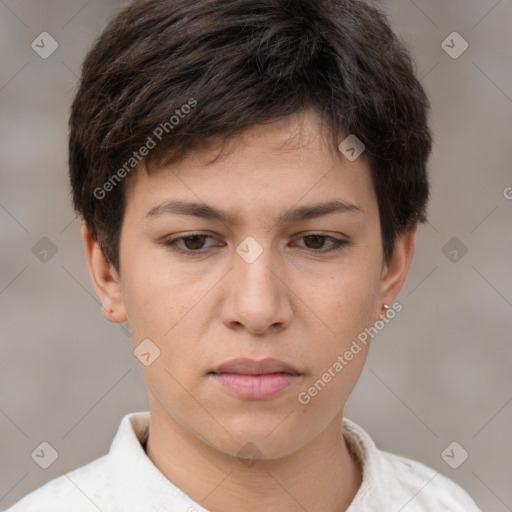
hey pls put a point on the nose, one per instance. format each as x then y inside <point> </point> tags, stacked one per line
<point>256,295</point>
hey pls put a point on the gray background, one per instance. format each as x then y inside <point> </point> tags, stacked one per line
<point>440,372</point>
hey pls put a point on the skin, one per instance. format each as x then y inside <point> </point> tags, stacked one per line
<point>292,303</point>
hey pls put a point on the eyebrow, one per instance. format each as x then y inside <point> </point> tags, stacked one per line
<point>206,211</point>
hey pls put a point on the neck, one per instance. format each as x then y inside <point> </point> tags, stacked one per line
<point>321,476</point>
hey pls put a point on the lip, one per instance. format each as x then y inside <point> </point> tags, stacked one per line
<point>255,380</point>
<point>247,366</point>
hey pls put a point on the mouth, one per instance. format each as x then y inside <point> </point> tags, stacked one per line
<point>245,366</point>
<point>255,380</point>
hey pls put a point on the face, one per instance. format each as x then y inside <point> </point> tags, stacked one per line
<point>281,257</point>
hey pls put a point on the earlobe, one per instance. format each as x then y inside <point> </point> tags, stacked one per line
<point>104,278</point>
<point>396,269</point>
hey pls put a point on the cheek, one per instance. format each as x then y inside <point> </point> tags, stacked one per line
<point>347,300</point>
<point>156,295</point>
<point>338,357</point>
<point>164,305</point>
<point>345,305</point>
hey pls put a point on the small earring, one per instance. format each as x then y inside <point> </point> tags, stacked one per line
<point>382,315</point>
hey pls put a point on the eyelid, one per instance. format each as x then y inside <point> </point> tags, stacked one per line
<point>336,243</point>
<point>171,242</point>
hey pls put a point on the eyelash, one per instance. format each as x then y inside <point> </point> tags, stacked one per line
<point>337,244</point>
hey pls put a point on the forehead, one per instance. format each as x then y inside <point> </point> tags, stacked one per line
<point>286,162</point>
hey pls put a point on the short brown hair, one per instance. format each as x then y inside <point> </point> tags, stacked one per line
<point>237,63</point>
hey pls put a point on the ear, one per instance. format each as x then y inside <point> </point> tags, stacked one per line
<point>396,269</point>
<point>105,280</point>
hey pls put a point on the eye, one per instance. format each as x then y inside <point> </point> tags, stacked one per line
<point>188,244</point>
<point>195,243</point>
<point>315,242</point>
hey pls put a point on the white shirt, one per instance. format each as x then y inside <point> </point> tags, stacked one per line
<point>125,480</point>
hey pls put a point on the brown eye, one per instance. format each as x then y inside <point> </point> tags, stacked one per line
<point>315,241</point>
<point>190,244</point>
<point>194,242</point>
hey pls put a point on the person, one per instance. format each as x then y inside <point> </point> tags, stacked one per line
<point>250,176</point>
